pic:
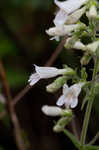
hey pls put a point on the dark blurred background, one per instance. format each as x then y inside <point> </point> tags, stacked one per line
<point>24,42</point>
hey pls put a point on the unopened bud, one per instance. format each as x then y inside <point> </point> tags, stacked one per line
<point>51,110</point>
<point>79,45</point>
<point>75,16</point>
<point>85,59</point>
<point>57,84</point>
<point>93,46</point>
<point>61,124</point>
<point>92,13</point>
<point>70,42</point>
<point>73,43</point>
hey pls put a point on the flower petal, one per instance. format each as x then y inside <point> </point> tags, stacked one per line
<point>60,18</point>
<point>75,16</point>
<point>77,88</point>
<point>65,89</point>
<point>60,101</point>
<point>34,78</point>
<point>74,102</point>
<point>70,5</point>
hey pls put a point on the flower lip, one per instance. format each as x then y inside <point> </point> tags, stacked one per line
<point>70,95</point>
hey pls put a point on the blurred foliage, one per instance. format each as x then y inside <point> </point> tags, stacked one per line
<point>19,36</point>
<point>1,148</point>
<point>2,107</point>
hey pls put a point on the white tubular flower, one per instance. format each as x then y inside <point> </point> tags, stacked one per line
<point>70,6</point>
<point>92,13</point>
<point>70,95</point>
<point>60,18</point>
<point>93,46</point>
<point>51,110</point>
<point>62,30</point>
<point>75,16</point>
<point>44,73</point>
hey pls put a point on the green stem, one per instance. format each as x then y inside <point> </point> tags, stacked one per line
<point>89,106</point>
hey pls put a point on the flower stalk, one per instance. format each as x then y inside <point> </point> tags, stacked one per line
<point>89,106</point>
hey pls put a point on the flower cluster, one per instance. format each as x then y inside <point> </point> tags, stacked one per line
<point>67,22</point>
<point>69,13</point>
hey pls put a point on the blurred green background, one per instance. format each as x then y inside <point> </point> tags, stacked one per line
<point>24,42</point>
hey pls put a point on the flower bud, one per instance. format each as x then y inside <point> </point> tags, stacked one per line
<point>72,43</point>
<point>57,84</point>
<point>75,16</point>
<point>51,110</point>
<point>60,125</point>
<point>85,59</point>
<point>93,46</point>
<point>92,13</point>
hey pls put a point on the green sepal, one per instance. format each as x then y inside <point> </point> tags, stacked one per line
<point>60,125</point>
<point>57,84</point>
<point>84,74</point>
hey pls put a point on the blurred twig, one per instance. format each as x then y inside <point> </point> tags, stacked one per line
<point>56,52</point>
<point>16,126</point>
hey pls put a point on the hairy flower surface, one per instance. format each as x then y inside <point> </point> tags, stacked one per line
<point>44,73</point>
<point>70,95</point>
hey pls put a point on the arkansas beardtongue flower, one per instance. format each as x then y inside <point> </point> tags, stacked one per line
<point>56,111</point>
<point>59,31</point>
<point>47,72</point>
<point>66,8</point>
<point>70,95</point>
